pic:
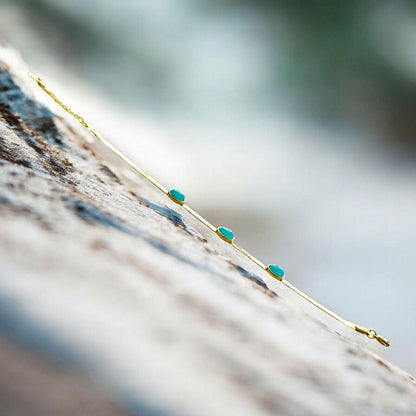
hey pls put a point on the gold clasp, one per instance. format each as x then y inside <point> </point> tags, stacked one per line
<point>373,335</point>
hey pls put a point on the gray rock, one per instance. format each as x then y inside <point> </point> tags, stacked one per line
<point>108,287</point>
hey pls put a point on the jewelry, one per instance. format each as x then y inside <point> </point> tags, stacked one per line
<point>224,233</point>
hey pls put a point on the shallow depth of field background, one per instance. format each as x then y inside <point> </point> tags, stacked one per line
<point>293,123</point>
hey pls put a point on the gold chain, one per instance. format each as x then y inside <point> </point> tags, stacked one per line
<point>224,233</point>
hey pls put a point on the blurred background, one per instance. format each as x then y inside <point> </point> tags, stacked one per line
<point>291,122</point>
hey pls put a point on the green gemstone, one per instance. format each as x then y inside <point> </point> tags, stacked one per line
<point>177,196</point>
<point>226,234</point>
<point>276,271</point>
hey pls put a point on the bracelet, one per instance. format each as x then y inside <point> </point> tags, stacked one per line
<point>224,233</point>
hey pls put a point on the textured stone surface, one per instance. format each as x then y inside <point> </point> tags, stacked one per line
<point>107,283</point>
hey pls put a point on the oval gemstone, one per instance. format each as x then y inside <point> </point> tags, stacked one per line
<point>226,234</point>
<point>276,271</point>
<point>177,196</point>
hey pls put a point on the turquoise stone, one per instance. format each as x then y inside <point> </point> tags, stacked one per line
<point>276,271</point>
<point>177,196</point>
<point>226,234</point>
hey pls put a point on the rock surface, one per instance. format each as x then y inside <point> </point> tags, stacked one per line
<point>114,301</point>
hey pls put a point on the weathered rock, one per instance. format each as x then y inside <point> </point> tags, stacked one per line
<point>106,283</point>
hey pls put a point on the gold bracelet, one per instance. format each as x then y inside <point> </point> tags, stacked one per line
<point>224,233</point>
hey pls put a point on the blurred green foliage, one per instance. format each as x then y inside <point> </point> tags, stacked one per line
<point>329,60</point>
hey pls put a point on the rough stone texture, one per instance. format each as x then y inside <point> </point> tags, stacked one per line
<point>114,301</point>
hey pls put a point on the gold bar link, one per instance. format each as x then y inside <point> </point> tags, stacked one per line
<point>249,256</point>
<point>199,218</point>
